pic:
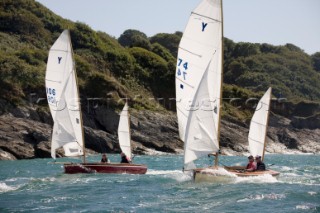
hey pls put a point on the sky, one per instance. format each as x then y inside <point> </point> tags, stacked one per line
<point>275,22</point>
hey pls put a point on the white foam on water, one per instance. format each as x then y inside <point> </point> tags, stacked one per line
<point>302,182</point>
<point>271,196</point>
<point>307,206</point>
<point>218,172</point>
<point>16,179</point>
<point>178,175</point>
<point>257,179</point>
<point>162,172</point>
<point>84,180</point>
<point>47,179</point>
<point>5,188</point>
<point>290,175</point>
<point>312,193</point>
<point>154,152</point>
<point>42,208</point>
<point>287,168</point>
<point>54,199</point>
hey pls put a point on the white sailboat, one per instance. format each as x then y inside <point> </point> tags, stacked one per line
<point>124,132</point>
<point>257,136</point>
<point>199,91</point>
<point>258,126</point>
<point>63,99</point>
<point>199,82</point>
<point>64,103</point>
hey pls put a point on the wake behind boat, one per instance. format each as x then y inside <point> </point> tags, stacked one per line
<point>64,103</point>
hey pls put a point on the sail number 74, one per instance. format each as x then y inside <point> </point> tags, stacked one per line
<point>182,68</point>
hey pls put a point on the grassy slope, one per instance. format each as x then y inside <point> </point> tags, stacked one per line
<point>144,68</point>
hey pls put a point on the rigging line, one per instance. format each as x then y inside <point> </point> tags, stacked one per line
<point>57,50</point>
<point>206,17</point>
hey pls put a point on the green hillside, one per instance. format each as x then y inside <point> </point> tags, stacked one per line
<point>138,67</point>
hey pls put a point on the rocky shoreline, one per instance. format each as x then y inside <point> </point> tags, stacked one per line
<point>25,133</point>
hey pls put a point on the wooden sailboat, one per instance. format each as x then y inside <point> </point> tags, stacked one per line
<point>199,91</point>
<point>64,103</point>
<point>257,136</point>
<point>199,84</point>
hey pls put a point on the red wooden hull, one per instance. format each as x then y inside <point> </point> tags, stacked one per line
<point>112,168</point>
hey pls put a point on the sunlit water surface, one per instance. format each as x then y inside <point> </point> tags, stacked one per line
<point>39,186</point>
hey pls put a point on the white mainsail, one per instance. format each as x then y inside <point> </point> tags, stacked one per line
<point>258,125</point>
<point>198,80</point>
<point>63,98</point>
<point>124,132</point>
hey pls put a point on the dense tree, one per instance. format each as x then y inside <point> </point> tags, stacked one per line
<point>245,49</point>
<point>169,41</point>
<point>316,61</point>
<point>135,64</point>
<point>134,38</point>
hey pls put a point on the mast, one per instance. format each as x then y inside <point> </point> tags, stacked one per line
<point>80,111</point>
<point>129,129</point>
<point>222,60</point>
<point>265,135</point>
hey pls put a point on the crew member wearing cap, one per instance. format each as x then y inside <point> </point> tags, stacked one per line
<point>251,166</point>
<point>260,165</point>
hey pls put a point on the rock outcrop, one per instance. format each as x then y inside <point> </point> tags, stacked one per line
<point>25,133</point>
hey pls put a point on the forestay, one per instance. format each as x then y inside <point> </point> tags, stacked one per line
<point>259,124</point>
<point>63,98</point>
<point>124,131</point>
<point>198,80</point>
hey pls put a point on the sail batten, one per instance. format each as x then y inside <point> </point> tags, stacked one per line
<point>207,17</point>
<point>63,98</point>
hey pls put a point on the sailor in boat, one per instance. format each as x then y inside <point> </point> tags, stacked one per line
<point>251,166</point>
<point>105,159</point>
<point>124,158</point>
<point>260,165</point>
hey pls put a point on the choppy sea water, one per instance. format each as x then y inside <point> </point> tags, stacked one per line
<point>38,186</point>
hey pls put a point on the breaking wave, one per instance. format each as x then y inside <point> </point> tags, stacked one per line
<point>257,179</point>
<point>271,196</point>
<point>5,188</point>
<point>177,175</point>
